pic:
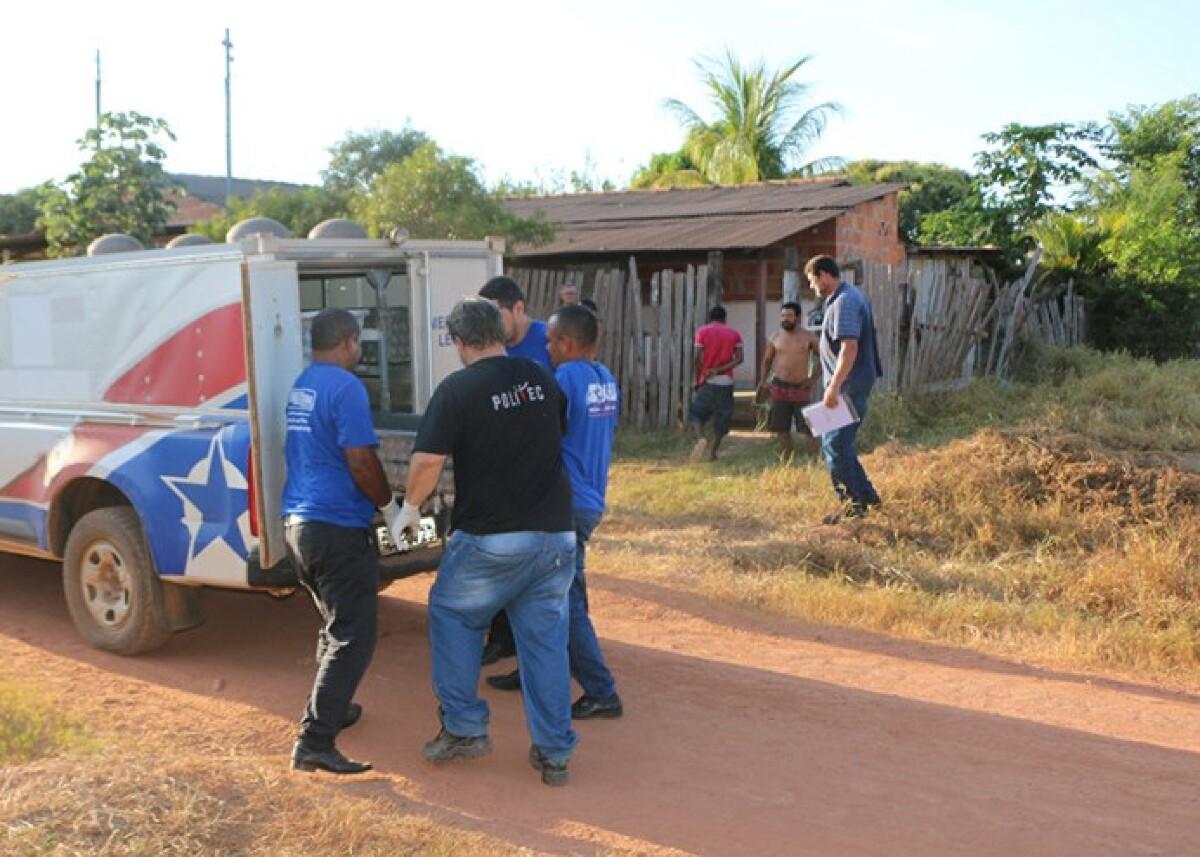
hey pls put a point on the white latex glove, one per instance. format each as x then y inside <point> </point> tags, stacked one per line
<point>400,518</point>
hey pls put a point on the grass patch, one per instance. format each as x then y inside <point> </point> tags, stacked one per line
<point>135,800</point>
<point>32,726</point>
<point>1023,519</point>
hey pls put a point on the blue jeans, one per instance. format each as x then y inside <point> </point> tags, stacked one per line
<point>587,661</point>
<point>850,481</point>
<point>527,574</point>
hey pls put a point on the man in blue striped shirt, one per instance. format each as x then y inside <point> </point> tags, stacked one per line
<point>850,365</point>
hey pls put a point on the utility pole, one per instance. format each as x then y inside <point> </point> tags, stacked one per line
<point>98,98</point>
<point>228,121</point>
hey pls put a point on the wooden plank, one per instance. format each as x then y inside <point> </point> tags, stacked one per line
<point>652,387</point>
<point>696,300</point>
<point>683,338</point>
<point>676,351</point>
<point>639,349</point>
<point>666,344</point>
<point>628,381</point>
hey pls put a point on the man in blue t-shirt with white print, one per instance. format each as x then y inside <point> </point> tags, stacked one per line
<point>334,483</point>
<point>593,406</point>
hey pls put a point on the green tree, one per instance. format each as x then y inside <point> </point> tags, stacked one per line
<point>361,158</point>
<point>1144,134</point>
<point>1027,164</point>
<point>19,212</point>
<point>668,169</point>
<point>931,188</point>
<point>1152,235</point>
<point>1071,243</point>
<point>763,122</point>
<point>298,210</point>
<point>434,195</point>
<point>120,188</point>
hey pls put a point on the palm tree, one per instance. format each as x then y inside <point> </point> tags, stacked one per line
<point>763,125</point>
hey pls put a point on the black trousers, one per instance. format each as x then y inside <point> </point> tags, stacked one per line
<point>339,568</point>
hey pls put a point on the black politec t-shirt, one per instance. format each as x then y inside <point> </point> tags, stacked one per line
<point>501,419</point>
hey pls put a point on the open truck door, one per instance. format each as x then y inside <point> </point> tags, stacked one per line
<point>441,278</point>
<point>274,357</point>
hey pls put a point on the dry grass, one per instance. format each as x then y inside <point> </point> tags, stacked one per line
<point>33,726</point>
<point>131,791</point>
<point>1059,541</point>
<point>122,801</point>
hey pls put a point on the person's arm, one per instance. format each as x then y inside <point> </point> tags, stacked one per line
<point>768,360</point>
<point>701,377</point>
<point>367,471</point>
<point>424,471</point>
<point>847,354</point>
<point>736,360</point>
<point>812,364</point>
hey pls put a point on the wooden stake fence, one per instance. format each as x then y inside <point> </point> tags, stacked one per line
<point>648,346</point>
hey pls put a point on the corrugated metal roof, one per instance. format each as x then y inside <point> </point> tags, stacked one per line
<point>761,198</point>
<point>746,231</point>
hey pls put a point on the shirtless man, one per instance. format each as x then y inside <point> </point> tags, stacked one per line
<point>788,374</point>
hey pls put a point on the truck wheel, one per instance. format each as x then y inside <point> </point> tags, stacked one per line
<point>113,591</point>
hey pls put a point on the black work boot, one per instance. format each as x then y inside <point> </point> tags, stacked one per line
<point>331,760</point>
<point>552,774</point>
<point>507,681</point>
<point>447,746</point>
<point>590,708</point>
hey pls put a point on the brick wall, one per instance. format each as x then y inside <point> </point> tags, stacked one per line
<point>869,232</point>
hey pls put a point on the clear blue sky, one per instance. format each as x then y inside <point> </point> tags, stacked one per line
<point>531,88</point>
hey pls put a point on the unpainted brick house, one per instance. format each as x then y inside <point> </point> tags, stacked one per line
<point>748,235</point>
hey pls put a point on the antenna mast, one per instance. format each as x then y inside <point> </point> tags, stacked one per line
<point>228,120</point>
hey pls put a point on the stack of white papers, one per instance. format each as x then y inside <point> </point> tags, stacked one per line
<point>822,419</point>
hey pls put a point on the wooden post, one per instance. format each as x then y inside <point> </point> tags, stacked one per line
<point>791,274</point>
<point>760,316</point>
<point>713,286</point>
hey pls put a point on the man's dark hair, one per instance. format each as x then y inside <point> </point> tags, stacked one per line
<point>792,305</point>
<point>717,313</point>
<point>590,304</point>
<point>502,290</point>
<point>822,265</point>
<point>331,327</point>
<point>576,322</point>
<point>476,323</point>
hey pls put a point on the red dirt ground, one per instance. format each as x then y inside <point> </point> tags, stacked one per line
<point>743,734</point>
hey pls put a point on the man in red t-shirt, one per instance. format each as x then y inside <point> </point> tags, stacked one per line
<point>718,351</point>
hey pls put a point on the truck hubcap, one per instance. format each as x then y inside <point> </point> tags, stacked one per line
<point>106,584</point>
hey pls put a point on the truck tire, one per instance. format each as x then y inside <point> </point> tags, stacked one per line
<point>113,592</point>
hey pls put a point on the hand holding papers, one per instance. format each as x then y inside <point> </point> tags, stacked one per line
<point>823,419</point>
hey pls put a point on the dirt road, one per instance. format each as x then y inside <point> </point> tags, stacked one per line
<point>743,734</point>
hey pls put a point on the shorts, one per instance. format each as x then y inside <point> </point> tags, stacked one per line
<point>787,401</point>
<point>715,402</point>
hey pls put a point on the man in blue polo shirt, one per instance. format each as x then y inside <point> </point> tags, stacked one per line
<point>593,406</point>
<point>850,365</point>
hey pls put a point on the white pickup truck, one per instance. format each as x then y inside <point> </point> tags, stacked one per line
<point>142,410</point>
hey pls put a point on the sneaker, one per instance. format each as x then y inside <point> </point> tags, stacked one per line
<point>700,450</point>
<point>873,500</point>
<point>447,746</point>
<point>590,708</point>
<point>552,774</point>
